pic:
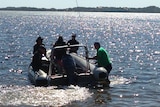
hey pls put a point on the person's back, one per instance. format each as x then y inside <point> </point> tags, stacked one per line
<point>39,60</point>
<point>102,57</point>
<point>38,44</point>
<point>73,41</point>
<point>36,61</point>
<point>58,53</point>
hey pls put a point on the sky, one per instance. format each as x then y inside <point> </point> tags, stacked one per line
<point>61,4</point>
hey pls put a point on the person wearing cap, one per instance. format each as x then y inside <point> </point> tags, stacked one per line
<point>39,42</point>
<point>102,58</point>
<point>39,60</point>
<point>73,41</point>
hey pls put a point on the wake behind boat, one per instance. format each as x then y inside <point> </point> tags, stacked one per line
<point>84,73</point>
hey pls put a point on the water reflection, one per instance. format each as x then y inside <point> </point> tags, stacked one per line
<point>47,96</point>
<point>131,39</point>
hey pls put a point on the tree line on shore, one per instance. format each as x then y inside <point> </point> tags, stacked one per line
<point>150,9</point>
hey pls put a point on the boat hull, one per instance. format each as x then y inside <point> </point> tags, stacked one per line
<point>38,78</point>
<point>42,79</point>
<point>83,79</point>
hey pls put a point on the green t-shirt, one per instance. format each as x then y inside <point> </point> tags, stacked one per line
<point>102,57</point>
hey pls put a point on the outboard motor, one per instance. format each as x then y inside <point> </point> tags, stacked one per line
<point>70,68</point>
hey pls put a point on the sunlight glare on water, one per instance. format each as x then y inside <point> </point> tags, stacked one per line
<point>132,41</point>
<point>15,95</point>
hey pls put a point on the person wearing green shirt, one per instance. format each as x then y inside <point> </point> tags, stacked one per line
<point>102,57</point>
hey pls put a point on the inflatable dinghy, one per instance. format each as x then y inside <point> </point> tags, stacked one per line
<point>89,73</point>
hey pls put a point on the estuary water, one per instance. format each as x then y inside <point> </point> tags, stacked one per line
<point>131,39</point>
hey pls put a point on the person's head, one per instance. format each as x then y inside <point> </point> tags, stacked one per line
<point>39,40</point>
<point>73,36</point>
<point>97,45</point>
<point>60,39</point>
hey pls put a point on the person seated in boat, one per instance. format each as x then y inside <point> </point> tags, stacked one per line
<point>39,60</point>
<point>73,41</point>
<point>58,53</point>
<point>39,42</point>
<point>102,58</point>
<point>70,68</point>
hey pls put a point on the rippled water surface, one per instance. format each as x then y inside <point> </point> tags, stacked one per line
<point>131,39</point>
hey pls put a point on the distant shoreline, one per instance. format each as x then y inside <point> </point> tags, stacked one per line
<point>150,9</point>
